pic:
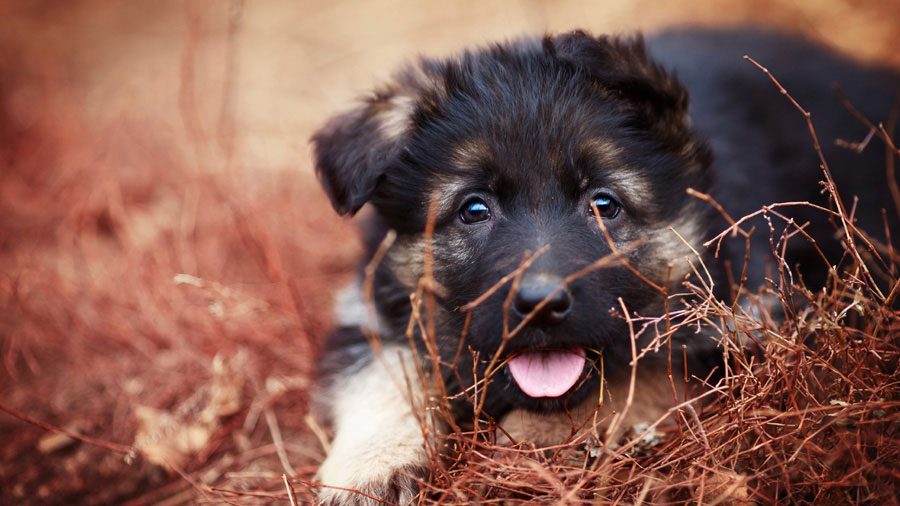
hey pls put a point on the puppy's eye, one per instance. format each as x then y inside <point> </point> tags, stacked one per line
<point>606,206</point>
<point>474,211</point>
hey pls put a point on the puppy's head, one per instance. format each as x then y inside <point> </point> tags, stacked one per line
<point>520,145</point>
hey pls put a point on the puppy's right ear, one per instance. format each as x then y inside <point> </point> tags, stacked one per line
<point>354,149</point>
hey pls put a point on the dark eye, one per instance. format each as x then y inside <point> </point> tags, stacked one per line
<point>606,206</point>
<point>474,211</point>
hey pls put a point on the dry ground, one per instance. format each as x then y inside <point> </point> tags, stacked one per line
<point>167,260</point>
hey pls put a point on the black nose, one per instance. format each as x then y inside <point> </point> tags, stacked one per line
<point>533,289</point>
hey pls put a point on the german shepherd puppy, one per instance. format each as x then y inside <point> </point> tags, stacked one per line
<point>540,190</point>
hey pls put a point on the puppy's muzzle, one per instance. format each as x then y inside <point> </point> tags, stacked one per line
<point>534,289</point>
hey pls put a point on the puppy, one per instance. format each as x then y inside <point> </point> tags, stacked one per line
<point>534,194</point>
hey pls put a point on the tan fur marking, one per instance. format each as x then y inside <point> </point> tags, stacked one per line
<point>605,151</point>
<point>670,248</point>
<point>631,183</point>
<point>447,192</point>
<point>395,120</point>
<point>652,398</point>
<point>468,155</point>
<point>406,259</point>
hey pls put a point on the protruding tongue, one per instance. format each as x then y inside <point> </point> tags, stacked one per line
<point>547,373</point>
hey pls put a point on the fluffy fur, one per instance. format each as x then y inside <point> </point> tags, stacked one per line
<point>535,131</point>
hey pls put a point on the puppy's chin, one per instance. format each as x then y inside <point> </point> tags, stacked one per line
<point>576,396</point>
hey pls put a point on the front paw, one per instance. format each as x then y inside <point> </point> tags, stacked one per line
<point>366,483</point>
<point>378,453</point>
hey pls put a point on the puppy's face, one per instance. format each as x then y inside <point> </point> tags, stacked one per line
<point>555,152</point>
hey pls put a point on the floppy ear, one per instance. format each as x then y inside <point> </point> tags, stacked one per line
<point>354,149</point>
<point>621,65</point>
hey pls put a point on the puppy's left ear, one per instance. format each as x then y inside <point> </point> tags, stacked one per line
<point>354,149</point>
<point>622,66</point>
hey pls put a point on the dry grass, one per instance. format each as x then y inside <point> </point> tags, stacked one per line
<point>167,315</point>
<point>164,302</point>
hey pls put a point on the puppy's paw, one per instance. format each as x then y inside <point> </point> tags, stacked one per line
<point>378,452</point>
<point>365,483</point>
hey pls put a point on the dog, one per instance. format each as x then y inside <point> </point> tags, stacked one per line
<point>533,197</point>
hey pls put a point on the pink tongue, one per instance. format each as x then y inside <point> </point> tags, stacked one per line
<point>547,373</point>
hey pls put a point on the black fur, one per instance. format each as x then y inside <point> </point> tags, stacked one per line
<point>536,128</point>
<point>762,146</point>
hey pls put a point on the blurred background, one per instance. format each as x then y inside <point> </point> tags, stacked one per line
<point>262,75</point>
<point>167,261</point>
